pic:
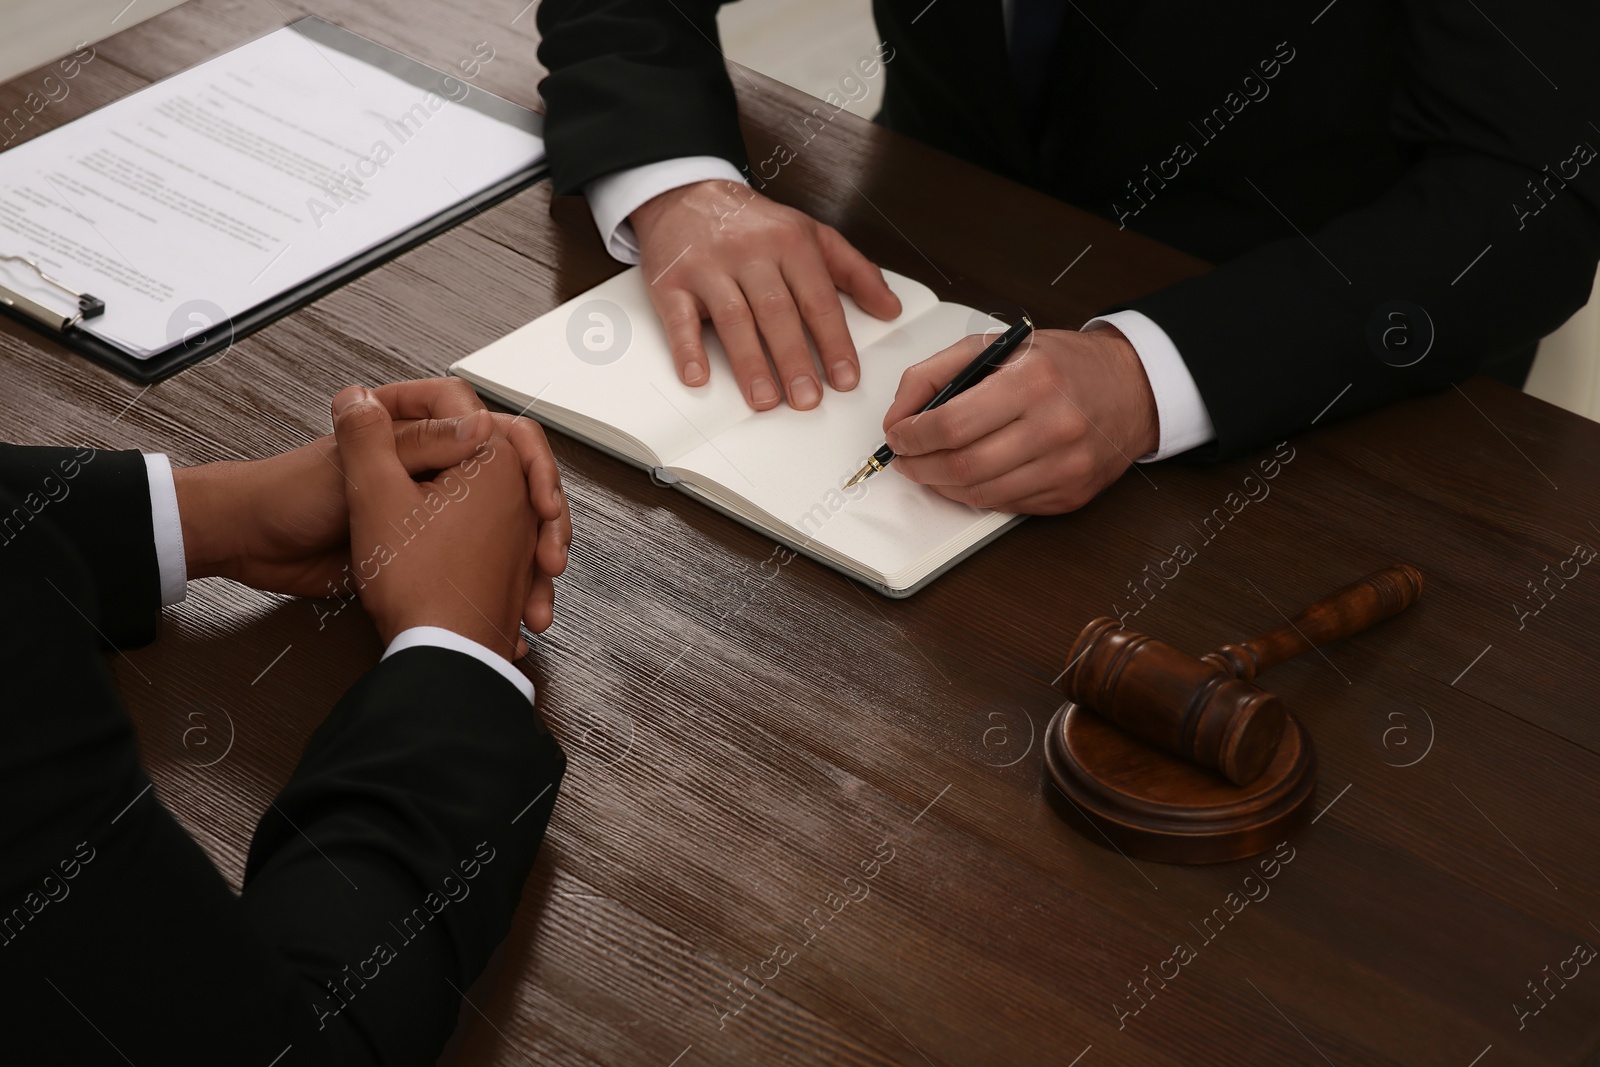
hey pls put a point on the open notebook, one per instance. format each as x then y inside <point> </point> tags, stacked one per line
<point>598,367</point>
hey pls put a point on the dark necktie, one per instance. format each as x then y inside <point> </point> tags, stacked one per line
<point>1035,26</point>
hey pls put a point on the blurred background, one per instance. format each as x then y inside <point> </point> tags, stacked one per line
<point>37,31</point>
<point>809,44</point>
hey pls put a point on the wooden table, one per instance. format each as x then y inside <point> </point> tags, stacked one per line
<point>737,751</point>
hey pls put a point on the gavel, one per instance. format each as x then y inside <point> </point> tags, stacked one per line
<point>1205,710</point>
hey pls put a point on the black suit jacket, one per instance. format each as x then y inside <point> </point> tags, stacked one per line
<point>1335,159</point>
<point>378,882</point>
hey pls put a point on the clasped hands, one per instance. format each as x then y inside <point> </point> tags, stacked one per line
<point>1060,421</point>
<point>435,510</point>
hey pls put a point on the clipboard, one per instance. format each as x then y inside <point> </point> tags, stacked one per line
<point>219,337</point>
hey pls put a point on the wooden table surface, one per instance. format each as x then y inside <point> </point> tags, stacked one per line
<point>742,740</point>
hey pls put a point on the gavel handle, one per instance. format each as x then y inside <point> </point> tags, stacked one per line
<point>1352,609</point>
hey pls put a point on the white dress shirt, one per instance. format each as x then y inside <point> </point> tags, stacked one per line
<point>174,572</point>
<point>1184,421</point>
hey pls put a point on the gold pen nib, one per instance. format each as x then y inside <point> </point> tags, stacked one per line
<point>872,467</point>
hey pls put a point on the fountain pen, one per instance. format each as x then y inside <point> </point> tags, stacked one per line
<point>973,373</point>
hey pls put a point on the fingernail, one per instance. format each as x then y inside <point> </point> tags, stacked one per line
<point>694,372</point>
<point>803,392</point>
<point>763,391</point>
<point>845,375</point>
<point>350,398</point>
<point>464,431</point>
<point>892,440</point>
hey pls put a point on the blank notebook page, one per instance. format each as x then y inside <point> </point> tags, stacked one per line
<point>792,464</point>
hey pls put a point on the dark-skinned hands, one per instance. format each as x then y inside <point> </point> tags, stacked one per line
<point>283,524</point>
<point>455,550</point>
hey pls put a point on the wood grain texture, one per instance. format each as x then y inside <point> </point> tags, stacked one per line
<point>741,743</point>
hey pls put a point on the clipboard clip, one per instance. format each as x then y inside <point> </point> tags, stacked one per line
<point>88,306</point>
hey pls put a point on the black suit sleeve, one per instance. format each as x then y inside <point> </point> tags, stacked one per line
<point>1273,337</point>
<point>388,869</point>
<point>633,82</point>
<point>99,502</point>
<point>382,876</point>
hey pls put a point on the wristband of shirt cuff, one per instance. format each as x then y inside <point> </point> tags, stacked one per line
<point>167,525</point>
<point>1184,421</point>
<point>439,637</point>
<point>616,196</point>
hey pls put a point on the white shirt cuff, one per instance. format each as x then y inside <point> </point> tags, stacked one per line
<point>613,198</point>
<point>1185,422</point>
<point>439,637</point>
<point>168,527</point>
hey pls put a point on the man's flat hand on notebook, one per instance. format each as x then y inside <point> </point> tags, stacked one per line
<point>1063,419</point>
<point>759,271</point>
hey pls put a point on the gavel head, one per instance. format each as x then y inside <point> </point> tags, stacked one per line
<point>1191,708</point>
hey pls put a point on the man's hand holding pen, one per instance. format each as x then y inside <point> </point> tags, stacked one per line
<point>1056,424</point>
